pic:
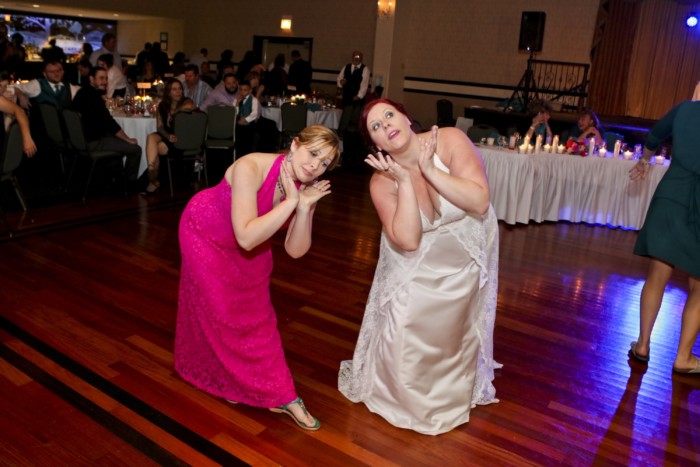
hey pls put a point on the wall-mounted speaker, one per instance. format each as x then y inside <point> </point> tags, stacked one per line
<point>531,30</point>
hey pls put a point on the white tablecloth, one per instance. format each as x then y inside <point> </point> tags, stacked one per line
<point>329,118</point>
<point>139,128</point>
<point>553,187</point>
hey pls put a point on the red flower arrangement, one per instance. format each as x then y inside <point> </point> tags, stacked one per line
<point>573,147</point>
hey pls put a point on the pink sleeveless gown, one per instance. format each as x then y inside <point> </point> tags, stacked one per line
<point>226,341</point>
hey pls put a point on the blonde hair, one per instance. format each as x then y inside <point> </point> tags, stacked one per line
<point>319,136</point>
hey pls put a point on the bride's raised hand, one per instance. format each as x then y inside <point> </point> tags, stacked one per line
<point>384,163</point>
<point>428,145</point>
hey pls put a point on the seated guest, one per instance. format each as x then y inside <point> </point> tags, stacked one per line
<point>248,114</point>
<point>257,87</point>
<point>116,80</point>
<point>147,73</point>
<point>541,111</point>
<point>588,126</point>
<point>179,64</point>
<point>109,46</point>
<point>102,132</point>
<point>226,92</point>
<point>50,88</point>
<point>223,69</point>
<point>83,76</point>
<point>7,107</point>
<point>195,88</point>
<point>161,142</point>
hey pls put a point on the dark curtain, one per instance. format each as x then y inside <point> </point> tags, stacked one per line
<point>607,92</point>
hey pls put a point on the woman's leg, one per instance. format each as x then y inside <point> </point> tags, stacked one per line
<point>154,149</point>
<point>690,326</point>
<point>650,302</point>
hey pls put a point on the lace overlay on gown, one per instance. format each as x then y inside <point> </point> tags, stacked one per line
<point>226,341</point>
<point>385,372</point>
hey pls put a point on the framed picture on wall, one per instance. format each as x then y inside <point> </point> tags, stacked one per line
<point>164,46</point>
<point>164,37</point>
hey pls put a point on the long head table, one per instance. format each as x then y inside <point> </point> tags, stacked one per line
<point>554,187</point>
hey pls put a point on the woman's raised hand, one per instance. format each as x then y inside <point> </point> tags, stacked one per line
<point>290,189</point>
<point>310,194</point>
<point>384,163</point>
<point>427,151</point>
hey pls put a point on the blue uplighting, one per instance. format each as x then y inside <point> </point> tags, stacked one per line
<point>692,21</point>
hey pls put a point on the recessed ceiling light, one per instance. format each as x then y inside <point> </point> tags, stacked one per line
<point>36,6</point>
<point>116,14</point>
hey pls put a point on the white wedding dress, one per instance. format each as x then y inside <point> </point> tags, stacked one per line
<point>424,356</point>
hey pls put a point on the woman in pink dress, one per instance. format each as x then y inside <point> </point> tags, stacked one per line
<point>227,342</point>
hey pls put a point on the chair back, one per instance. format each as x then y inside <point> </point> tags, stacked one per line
<point>464,123</point>
<point>293,118</point>
<point>190,128</point>
<point>477,132</point>
<point>52,123</point>
<point>12,150</point>
<point>221,122</point>
<point>610,137</point>
<point>444,113</point>
<point>74,127</point>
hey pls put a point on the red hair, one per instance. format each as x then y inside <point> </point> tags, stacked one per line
<point>369,106</point>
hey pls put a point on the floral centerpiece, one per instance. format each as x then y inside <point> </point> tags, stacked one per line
<point>576,148</point>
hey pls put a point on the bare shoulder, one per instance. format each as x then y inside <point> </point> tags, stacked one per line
<point>251,166</point>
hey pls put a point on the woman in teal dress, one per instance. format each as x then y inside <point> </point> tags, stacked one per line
<point>670,236</point>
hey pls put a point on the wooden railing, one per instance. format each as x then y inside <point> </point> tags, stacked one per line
<point>563,83</point>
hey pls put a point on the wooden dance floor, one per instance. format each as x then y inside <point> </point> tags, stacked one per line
<point>87,319</point>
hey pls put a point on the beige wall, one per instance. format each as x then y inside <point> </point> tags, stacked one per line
<point>477,41</point>
<point>460,40</point>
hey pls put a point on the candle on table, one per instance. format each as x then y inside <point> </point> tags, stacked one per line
<point>561,148</point>
<point>602,152</point>
<point>591,146</point>
<point>660,160</point>
<point>547,148</point>
<point>555,141</point>
<point>627,155</point>
<point>538,143</point>
<point>616,151</point>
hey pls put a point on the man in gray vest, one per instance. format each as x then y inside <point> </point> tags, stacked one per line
<point>50,88</point>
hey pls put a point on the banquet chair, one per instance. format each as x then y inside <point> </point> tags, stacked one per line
<point>293,121</point>
<point>221,128</point>
<point>464,123</point>
<point>55,130</point>
<point>444,113</point>
<point>190,128</point>
<point>610,137</point>
<point>10,159</point>
<point>78,143</point>
<point>477,132</point>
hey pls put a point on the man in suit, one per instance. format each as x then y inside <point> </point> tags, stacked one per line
<point>299,74</point>
<point>353,80</point>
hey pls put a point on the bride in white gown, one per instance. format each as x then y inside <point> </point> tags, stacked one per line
<point>424,356</point>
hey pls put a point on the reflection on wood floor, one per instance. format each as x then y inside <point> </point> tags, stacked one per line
<point>86,335</point>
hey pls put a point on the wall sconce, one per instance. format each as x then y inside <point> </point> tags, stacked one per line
<point>385,8</point>
<point>286,23</point>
